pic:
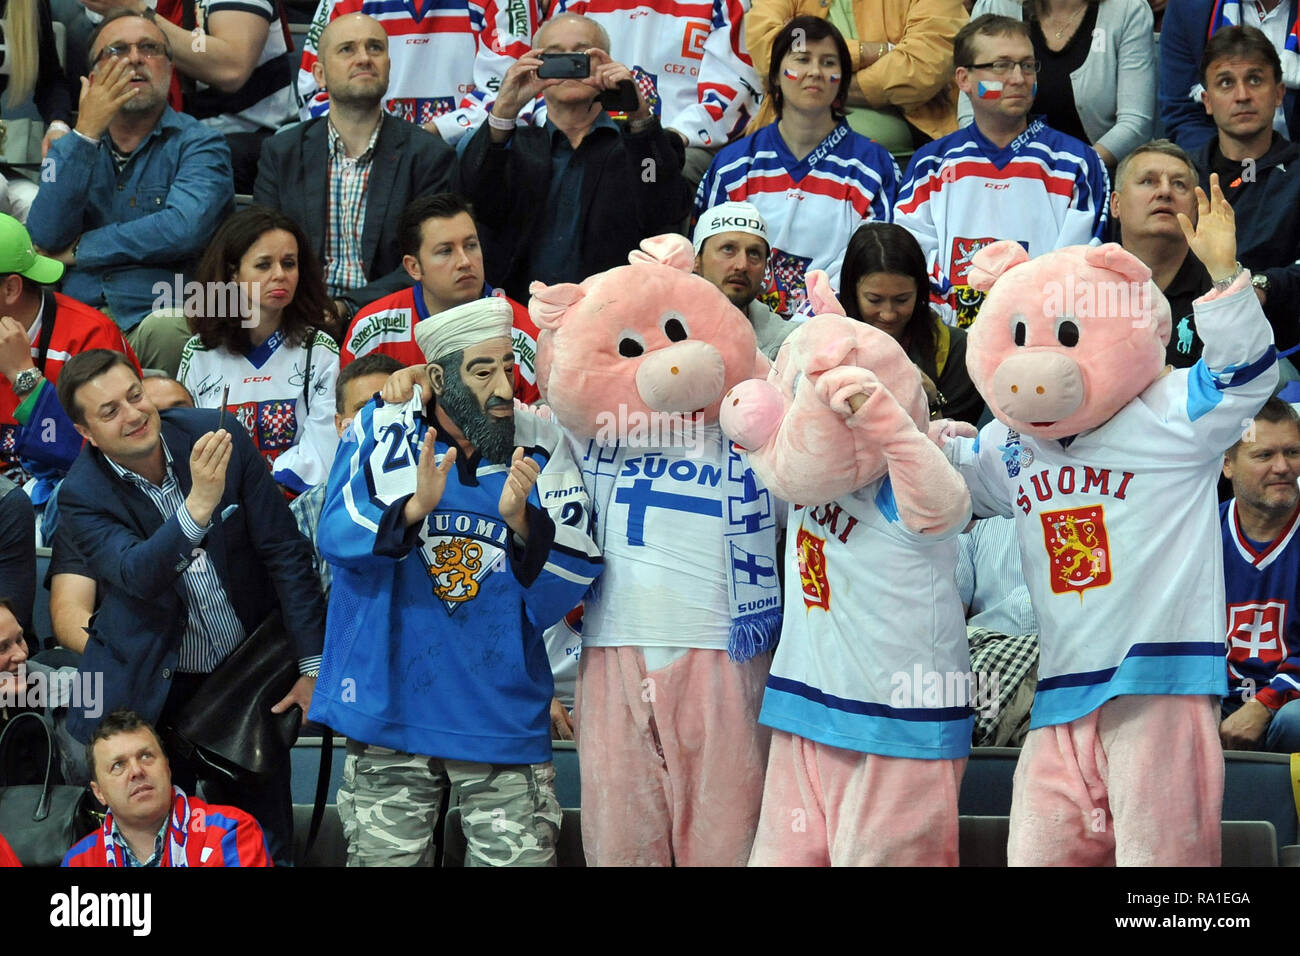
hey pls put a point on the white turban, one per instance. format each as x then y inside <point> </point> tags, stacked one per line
<point>464,327</point>
<point>730,217</point>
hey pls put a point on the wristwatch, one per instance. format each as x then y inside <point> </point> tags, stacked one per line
<point>1222,284</point>
<point>26,380</point>
<point>1260,282</point>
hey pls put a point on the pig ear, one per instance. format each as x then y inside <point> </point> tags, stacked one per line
<point>671,250</point>
<point>993,260</point>
<point>548,303</point>
<point>1115,258</point>
<point>820,295</point>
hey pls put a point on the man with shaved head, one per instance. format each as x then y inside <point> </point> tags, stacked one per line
<point>368,165</point>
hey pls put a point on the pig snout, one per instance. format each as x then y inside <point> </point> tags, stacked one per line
<point>751,413</point>
<point>684,377</point>
<point>1039,387</point>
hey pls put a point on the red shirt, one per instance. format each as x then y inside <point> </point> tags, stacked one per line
<point>387,326</point>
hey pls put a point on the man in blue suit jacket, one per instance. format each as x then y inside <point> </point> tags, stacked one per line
<point>193,546</point>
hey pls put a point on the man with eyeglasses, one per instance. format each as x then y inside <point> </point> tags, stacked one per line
<point>130,200</point>
<point>1006,176</point>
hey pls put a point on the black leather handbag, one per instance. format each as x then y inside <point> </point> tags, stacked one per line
<point>41,822</point>
<point>227,727</point>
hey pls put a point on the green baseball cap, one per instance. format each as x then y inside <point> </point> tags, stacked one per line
<point>18,255</point>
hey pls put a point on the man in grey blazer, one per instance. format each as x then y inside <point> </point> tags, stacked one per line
<point>347,176</point>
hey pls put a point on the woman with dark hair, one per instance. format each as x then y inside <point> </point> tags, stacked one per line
<point>884,283</point>
<point>258,325</point>
<point>812,178</point>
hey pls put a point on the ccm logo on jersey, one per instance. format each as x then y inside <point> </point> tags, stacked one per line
<point>257,378</point>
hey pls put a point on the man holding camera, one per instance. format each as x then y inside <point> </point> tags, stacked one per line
<point>563,201</point>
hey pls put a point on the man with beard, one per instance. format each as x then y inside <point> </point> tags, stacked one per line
<point>130,199</point>
<point>457,533</point>
<point>731,251</point>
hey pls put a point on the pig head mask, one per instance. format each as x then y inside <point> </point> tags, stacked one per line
<point>1064,341</point>
<point>639,340</point>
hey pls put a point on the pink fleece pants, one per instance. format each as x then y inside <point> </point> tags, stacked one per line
<point>827,806</point>
<point>1137,782</point>
<point>672,761</point>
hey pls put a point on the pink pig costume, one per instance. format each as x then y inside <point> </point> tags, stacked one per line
<point>865,765</point>
<point>1109,468</point>
<point>634,363</point>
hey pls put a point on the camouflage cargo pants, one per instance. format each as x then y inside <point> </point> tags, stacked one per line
<point>389,803</point>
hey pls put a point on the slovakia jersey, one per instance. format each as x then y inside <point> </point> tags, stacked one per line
<point>1262,582</point>
<point>689,59</point>
<point>866,663</point>
<point>433,642</point>
<point>1044,190</point>
<point>1119,537</point>
<point>659,521</point>
<point>811,206</point>
<point>291,422</point>
<point>387,326</point>
<point>447,56</point>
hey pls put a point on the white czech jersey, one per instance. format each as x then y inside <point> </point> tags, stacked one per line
<point>268,397</point>
<point>1118,529</point>
<point>448,56</point>
<point>266,100</point>
<point>689,59</point>
<point>1044,190</point>
<point>811,206</point>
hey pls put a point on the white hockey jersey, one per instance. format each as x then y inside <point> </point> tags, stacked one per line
<point>689,60</point>
<point>448,56</point>
<point>873,654</point>
<point>1119,532</point>
<point>290,421</point>
<point>1045,190</point>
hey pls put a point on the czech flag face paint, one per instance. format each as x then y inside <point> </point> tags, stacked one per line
<point>835,78</point>
<point>989,90</point>
<point>790,75</point>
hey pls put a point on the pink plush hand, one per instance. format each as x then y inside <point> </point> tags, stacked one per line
<point>845,389</point>
<point>945,429</point>
<point>751,412</point>
<point>541,411</point>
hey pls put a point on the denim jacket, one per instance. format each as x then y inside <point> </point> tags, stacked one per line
<point>140,228</point>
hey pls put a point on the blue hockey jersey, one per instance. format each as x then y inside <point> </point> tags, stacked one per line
<point>1262,587</point>
<point>433,643</point>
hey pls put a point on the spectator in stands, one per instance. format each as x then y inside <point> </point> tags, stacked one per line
<point>902,92</point>
<point>963,192</point>
<point>263,342</point>
<point>443,65</point>
<point>1259,167</point>
<point>811,177</point>
<point>1002,630</point>
<point>691,64</point>
<point>346,177</point>
<point>39,330</point>
<point>165,392</point>
<point>884,284</point>
<point>150,821</point>
<point>357,383</point>
<point>561,202</point>
<point>236,54</point>
<point>731,251</point>
<point>18,552</point>
<point>1153,184</point>
<point>32,71</point>
<point>462,660</point>
<point>1098,79</point>
<point>1261,560</point>
<point>177,597</point>
<point>1187,28</point>
<point>131,199</point>
<point>441,252</point>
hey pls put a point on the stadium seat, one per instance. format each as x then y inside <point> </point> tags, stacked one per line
<point>41,622</point>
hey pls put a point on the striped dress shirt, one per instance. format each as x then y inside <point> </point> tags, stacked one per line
<point>348,180</point>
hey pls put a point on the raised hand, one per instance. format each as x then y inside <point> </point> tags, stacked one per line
<point>15,348</point>
<point>401,385</point>
<point>607,73</point>
<point>521,85</point>
<point>514,496</point>
<point>1214,240</point>
<point>208,463</point>
<point>102,94</point>
<point>430,481</point>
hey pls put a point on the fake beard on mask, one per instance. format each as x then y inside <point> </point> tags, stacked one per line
<point>493,437</point>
